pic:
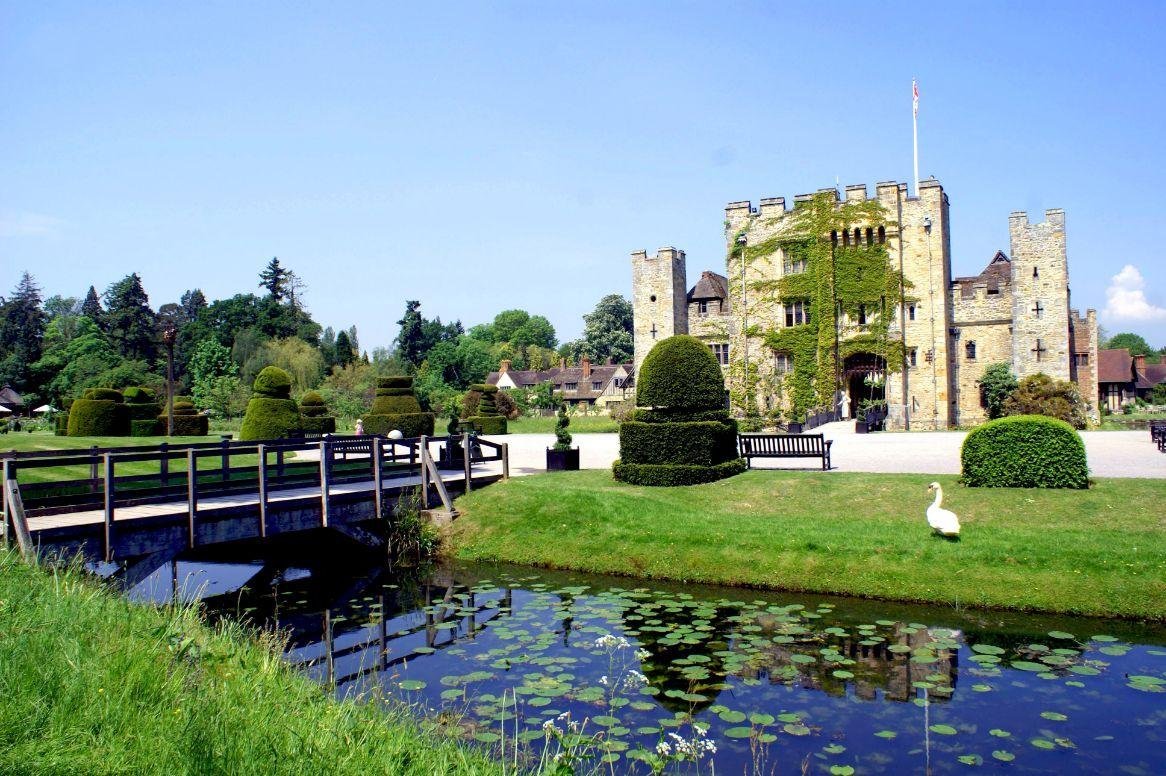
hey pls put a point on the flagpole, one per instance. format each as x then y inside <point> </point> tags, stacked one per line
<point>915,130</point>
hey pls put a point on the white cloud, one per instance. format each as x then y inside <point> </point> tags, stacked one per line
<point>1126,298</point>
<point>24,224</point>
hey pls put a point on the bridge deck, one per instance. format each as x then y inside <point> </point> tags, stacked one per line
<point>213,503</point>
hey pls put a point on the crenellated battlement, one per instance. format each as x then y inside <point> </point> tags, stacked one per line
<point>887,192</point>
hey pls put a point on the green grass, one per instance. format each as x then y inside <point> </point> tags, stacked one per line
<point>1119,421</point>
<point>94,684</point>
<point>1099,552</point>
<point>583,424</point>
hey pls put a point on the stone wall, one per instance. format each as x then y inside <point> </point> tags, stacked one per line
<point>1040,288</point>
<point>984,321</point>
<point>1083,369</point>
<point>659,298</point>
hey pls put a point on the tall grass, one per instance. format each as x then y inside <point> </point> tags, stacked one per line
<point>90,683</point>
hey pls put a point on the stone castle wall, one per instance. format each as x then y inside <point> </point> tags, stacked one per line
<point>1040,288</point>
<point>659,299</point>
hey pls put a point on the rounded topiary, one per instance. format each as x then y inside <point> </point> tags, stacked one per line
<point>681,434</point>
<point>271,414</point>
<point>396,408</point>
<point>98,417</point>
<point>273,383</point>
<point>681,373</point>
<point>486,418</point>
<point>187,419</point>
<point>103,394</point>
<point>314,413</point>
<point>1024,451</point>
<point>139,394</point>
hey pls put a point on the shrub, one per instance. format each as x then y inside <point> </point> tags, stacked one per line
<point>139,394</point>
<point>144,427</point>
<point>673,475</point>
<point>103,394</point>
<point>1024,451</point>
<point>271,414</point>
<point>1040,394</point>
<point>314,415</point>
<point>470,403</point>
<point>395,407</point>
<point>506,405</point>
<point>187,420</point>
<point>273,383</point>
<point>488,424</point>
<point>1158,395</point>
<point>562,436</point>
<point>98,417</point>
<point>681,371</point>
<point>692,444</point>
<point>61,421</point>
<point>996,385</point>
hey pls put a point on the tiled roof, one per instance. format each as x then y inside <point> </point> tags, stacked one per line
<point>10,397</point>
<point>523,378</point>
<point>1115,365</point>
<point>710,286</point>
<point>1155,374</point>
<point>998,273</point>
<point>574,374</point>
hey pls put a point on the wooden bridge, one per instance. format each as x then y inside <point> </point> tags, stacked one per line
<point>171,498</point>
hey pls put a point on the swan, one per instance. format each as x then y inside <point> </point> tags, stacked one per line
<point>944,521</point>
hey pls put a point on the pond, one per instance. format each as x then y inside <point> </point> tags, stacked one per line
<point>627,674</point>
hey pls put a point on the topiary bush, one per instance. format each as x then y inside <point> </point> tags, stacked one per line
<point>681,373</point>
<point>187,420</point>
<point>140,405</point>
<point>487,419</point>
<point>1024,451</point>
<point>507,407</point>
<point>395,407</point>
<point>314,414</point>
<point>488,424</point>
<point>99,412</point>
<point>271,414</point>
<point>562,435</point>
<point>144,427</point>
<point>680,434</point>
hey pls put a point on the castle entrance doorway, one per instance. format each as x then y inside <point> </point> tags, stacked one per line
<point>864,379</point>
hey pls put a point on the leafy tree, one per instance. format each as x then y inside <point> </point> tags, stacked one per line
<point>22,324</point>
<point>1040,394</point>
<point>91,307</point>
<point>291,354</point>
<point>192,303</point>
<point>348,389</point>
<point>214,377</point>
<point>73,362</point>
<point>1158,395</point>
<point>607,331</point>
<point>418,335</point>
<point>996,386</point>
<point>537,332</point>
<point>344,353</point>
<point>483,332</point>
<point>507,322</point>
<point>1134,343</point>
<point>543,396</point>
<point>275,279</point>
<point>129,321</point>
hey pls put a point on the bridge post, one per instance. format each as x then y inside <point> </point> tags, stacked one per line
<point>9,520</point>
<point>164,464</point>
<point>505,461</point>
<point>226,457</point>
<point>422,448</point>
<point>107,538</point>
<point>262,491</point>
<point>325,452</point>
<point>377,476</point>
<point>466,460</point>
<point>279,465</point>
<point>191,495</point>
<point>93,473</point>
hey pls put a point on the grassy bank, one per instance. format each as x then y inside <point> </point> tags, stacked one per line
<point>582,424</point>
<point>94,684</point>
<point>1101,551</point>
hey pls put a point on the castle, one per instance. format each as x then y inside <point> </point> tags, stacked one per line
<point>940,333</point>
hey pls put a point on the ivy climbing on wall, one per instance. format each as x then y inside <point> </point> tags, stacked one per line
<point>841,280</point>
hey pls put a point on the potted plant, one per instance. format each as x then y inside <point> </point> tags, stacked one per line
<point>452,456</point>
<point>562,457</point>
<point>796,423</point>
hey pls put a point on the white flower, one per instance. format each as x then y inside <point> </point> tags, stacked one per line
<point>603,680</point>
<point>643,654</point>
<point>663,749</point>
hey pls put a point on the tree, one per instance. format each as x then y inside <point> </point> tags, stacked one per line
<point>91,307</point>
<point>71,364</point>
<point>507,322</point>
<point>214,376</point>
<point>1040,394</point>
<point>344,353</point>
<point>291,354</point>
<point>22,324</point>
<point>129,321</point>
<point>1134,343</point>
<point>192,303</point>
<point>274,278</point>
<point>418,335</point>
<point>537,331</point>
<point>996,386</point>
<point>607,331</point>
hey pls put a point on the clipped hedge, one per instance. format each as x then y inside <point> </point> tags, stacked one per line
<point>187,420</point>
<point>268,418</point>
<point>98,417</point>
<point>144,427</point>
<point>706,443</point>
<point>314,415</point>
<point>672,475</point>
<point>103,394</point>
<point>489,424</point>
<point>139,394</point>
<point>647,415</point>
<point>61,424</point>
<point>410,425</point>
<point>273,383</point>
<point>1024,451</point>
<point>681,371</point>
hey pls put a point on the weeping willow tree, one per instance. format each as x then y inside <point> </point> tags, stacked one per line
<point>836,264</point>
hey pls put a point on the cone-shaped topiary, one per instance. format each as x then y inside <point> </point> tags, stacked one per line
<point>562,435</point>
<point>396,408</point>
<point>99,412</point>
<point>681,435</point>
<point>271,414</point>
<point>187,419</point>
<point>487,420</point>
<point>314,414</point>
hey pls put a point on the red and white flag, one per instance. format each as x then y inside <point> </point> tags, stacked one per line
<point>915,96</point>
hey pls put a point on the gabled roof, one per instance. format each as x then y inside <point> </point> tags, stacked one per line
<point>710,286</point>
<point>523,378</point>
<point>601,374</point>
<point>998,273</point>
<point>10,398</point>
<point>1155,374</point>
<point>1115,365</point>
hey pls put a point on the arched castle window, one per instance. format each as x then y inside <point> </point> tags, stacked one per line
<point>857,236</point>
<point>869,236</point>
<point>783,363</point>
<point>846,237</point>
<point>970,350</point>
<point>834,237</point>
<point>882,235</point>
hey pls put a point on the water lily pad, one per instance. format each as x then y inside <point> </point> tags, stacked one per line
<point>987,649</point>
<point>999,733</point>
<point>1042,743</point>
<point>834,749</point>
<point>1056,634</point>
<point>412,684</point>
<point>789,716</point>
<point>739,732</point>
<point>487,737</point>
<point>943,730</point>
<point>732,717</point>
<point>840,674</point>
<point>759,718</point>
<point>971,759</point>
<point>796,730</point>
<point>887,734</point>
<point>1055,716</point>
<point>1026,665</point>
<point>841,770</point>
<point>1103,638</point>
<point>981,688</point>
<point>605,721</point>
<point>1003,755</point>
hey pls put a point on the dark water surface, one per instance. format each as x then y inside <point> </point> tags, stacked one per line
<point>777,683</point>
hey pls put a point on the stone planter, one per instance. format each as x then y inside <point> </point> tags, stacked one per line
<point>793,427</point>
<point>563,460</point>
<point>861,427</point>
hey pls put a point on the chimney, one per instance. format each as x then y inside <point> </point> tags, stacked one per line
<point>608,362</point>
<point>586,366</point>
<point>504,367</point>
<point>1140,364</point>
<point>562,363</point>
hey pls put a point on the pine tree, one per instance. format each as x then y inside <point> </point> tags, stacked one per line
<point>411,339</point>
<point>275,279</point>
<point>22,325</point>
<point>91,307</point>
<point>344,352</point>
<point>130,323</point>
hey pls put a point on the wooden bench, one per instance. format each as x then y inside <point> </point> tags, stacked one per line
<point>1158,434</point>
<point>785,446</point>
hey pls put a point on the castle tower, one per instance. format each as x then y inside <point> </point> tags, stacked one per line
<point>659,298</point>
<point>1040,301</point>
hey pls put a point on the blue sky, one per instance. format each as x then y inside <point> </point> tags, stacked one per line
<point>486,156</point>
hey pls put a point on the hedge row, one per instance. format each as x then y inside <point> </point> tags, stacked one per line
<point>272,383</point>
<point>98,417</point>
<point>672,475</point>
<point>488,424</point>
<point>145,427</point>
<point>410,425</point>
<point>317,425</point>
<point>1024,451</point>
<point>269,418</point>
<point>187,425</point>
<point>691,444</point>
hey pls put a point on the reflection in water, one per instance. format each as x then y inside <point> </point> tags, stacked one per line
<point>780,683</point>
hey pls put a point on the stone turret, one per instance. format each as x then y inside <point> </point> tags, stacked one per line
<point>1040,301</point>
<point>659,298</point>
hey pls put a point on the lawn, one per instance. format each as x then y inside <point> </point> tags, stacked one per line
<point>1100,551</point>
<point>583,424</point>
<point>95,684</point>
